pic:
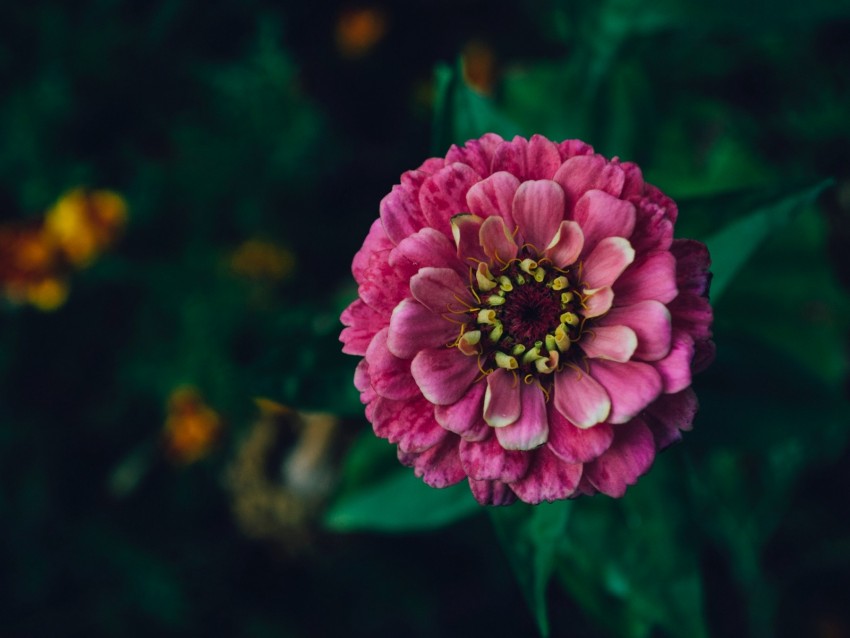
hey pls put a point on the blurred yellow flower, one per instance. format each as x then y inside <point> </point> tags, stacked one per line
<point>31,269</point>
<point>359,30</point>
<point>84,223</point>
<point>261,259</point>
<point>192,428</point>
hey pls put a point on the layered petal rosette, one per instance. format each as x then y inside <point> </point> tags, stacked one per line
<point>527,321</point>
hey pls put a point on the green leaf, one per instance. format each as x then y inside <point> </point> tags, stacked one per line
<point>530,535</point>
<point>461,114</point>
<point>732,246</point>
<point>401,503</point>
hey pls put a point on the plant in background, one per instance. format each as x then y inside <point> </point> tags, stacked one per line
<point>528,322</point>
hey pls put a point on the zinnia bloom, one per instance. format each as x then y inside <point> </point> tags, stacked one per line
<point>527,321</point>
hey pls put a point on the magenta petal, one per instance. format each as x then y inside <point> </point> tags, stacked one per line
<point>577,445</point>
<point>531,429</point>
<point>651,322</point>
<point>363,323</point>
<point>401,214</point>
<point>692,264</point>
<point>497,242</point>
<point>607,262</point>
<point>675,368</point>
<point>502,404</point>
<point>538,210</point>
<point>441,290</point>
<point>413,327</point>
<point>426,247</point>
<point>410,424</point>
<point>692,314</point>
<point>653,278</point>
<point>465,417</point>
<point>476,153</point>
<point>438,466</point>
<point>630,455</point>
<point>493,196</point>
<point>580,398</point>
<point>443,374</point>
<point>466,230</point>
<point>634,184</point>
<point>376,241</point>
<point>390,375</point>
<point>632,386</point>
<point>491,492</point>
<point>537,158</point>
<point>548,478</point>
<point>598,302</point>
<point>571,148</point>
<point>601,215</point>
<point>443,195</point>
<point>566,245</point>
<point>670,415</point>
<point>616,343</point>
<point>580,174</point>
<point>487,460</point>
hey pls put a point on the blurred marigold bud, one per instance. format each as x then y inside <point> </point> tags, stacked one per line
<point>192,428</point>
<point>262,260</point>
<point>84,223</point>
<point>359,30</point>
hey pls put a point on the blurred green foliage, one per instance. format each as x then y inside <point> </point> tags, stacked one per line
<point>227,122</point>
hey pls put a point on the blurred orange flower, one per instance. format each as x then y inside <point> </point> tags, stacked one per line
<point>36,258</point>
<point>478,63</point>
<point>359,30</point>
<point>191,428</point>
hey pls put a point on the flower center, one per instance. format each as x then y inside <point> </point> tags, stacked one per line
<point>529,315</point>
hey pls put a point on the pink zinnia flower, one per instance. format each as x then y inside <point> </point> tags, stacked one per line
<point>527,321</point>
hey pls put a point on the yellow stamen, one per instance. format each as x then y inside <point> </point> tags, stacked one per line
<point>505,284</point>
<point>483,278</point>
<point>487,316</point>
<point>562,338</point>
<point>528,265</point>
<point>495,300</point>
<point>497,331</point>
<point>566,297</point>
<point>468,342</point>
<point>559,283</point>
<point>539,275</point>
<point>518,349</point>
<point>506,361</point>
<point>569,318</point>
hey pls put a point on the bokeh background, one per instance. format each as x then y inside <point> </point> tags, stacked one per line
<point>182,188</point>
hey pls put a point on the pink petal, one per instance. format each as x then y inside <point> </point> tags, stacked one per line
<point>466,230</point>
<point>363,324</point>
<point>566,245</point>
<point>496,241</point>
<point>656,214</point>
<point>390,375</point>
<point>376,242</point>
<point>571,148</point>
<point>401,214</point>
<point>616,343</point>
<point>577,445</point>
<point>580,398</point>
<point>410,424</point>
<point>466,416</point>
<point>580,174</point>
<point>443,374</point>
<point>630,455</point>
<point>653,278</point>
<point>537,158</point>
<point>502,405</point>
<point>548,478</point>
<point>441,290</point>
<point>363,383</point>
<point>634,184</point>
<point>426,247</point>
<point>382,286</point>
<point>494,196</point>
<point>632,386</point>
<point>413,327</point>
<point>651,322</point>
<point>607,262</point>
<point>443,195</point>
<point>491,492</point>
<point>487,460</point>
<point>601,215</point>
<point>599,302</point>
<point>538,210</point>
<point>476,153</point>
<point>675,368</point>
<point>438,466</point>
<point>531,429</point>
<point>670,415</point>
